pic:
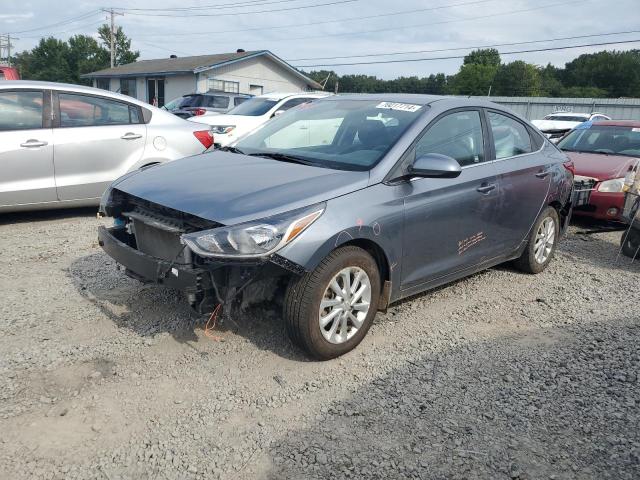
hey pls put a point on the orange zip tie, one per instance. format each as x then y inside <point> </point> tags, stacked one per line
<point>211,324</point>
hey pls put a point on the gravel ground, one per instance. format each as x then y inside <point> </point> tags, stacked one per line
<point>499,376</point>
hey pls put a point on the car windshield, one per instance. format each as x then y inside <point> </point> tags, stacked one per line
<point>566,118</point>
<point>603,139</point>
<point>183,102</point>
<point>254,107</point>
<point>340,134</point>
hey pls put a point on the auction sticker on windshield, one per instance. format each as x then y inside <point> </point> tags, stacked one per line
<point>405,107</point>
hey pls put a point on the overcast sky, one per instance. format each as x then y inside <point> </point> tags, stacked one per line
<point>345,30</point>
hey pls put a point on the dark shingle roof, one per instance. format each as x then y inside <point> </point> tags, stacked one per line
<point>170,65</point>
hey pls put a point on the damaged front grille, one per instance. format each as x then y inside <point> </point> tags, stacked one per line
<point>157,229</point>
<point>582,187</point>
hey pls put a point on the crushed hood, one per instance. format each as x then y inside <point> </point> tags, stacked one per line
<point>601,166</point>
<point>229,188</point>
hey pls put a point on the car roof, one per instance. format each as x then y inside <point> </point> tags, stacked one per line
<point>618,123</point>
<point>68,87</point>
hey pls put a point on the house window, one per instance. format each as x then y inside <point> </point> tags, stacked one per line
<point>103,83</point>
<point>224,86</point>
<point>128,86</point>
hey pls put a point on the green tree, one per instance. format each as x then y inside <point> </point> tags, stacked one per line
<point>86,55</point>
<point>518,79</point>
<point>47,61</point>
<point>486,56</point>
<point>618,73</point>
<point>124,54</point>
<point>473,79</point>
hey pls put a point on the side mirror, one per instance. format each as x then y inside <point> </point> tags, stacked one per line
<point>277,113</point>
<point>434,165</point>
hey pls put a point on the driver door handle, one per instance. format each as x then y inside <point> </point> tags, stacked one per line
<point>543,174</point>
<point>130,136</point>
<point>485,189</point>
<point>32,143</point>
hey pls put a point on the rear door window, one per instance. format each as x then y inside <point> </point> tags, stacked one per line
<point>293,103</point>
<point>21,110</point>
<point>510,137</point>
<point>216,101</point>
<point>78,110</point>
<point>239,100</point>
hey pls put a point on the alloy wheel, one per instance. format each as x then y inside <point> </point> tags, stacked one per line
<point>545,239</point>
<point>345,305</point>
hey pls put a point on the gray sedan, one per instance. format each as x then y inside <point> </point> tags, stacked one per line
<point>62,145</point>
<point>349,203</point>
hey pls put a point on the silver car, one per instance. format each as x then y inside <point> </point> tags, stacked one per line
<point>62,145</point>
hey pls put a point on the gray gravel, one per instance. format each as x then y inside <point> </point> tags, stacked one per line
<point>499,376</point>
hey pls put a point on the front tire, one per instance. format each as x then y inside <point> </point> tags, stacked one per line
<point>328,311</point>
<point>542,243</point>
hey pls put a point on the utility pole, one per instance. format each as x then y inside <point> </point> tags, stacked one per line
<point>113,13</point>
<point>5,44</point>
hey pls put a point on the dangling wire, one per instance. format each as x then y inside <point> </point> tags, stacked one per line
<point>211,324</point>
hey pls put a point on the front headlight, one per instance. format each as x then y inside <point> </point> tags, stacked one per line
<point>253,239</point>
<point>615,185</point>
<point>222,129</point>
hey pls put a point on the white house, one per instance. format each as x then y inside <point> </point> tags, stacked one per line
<point>164,79</point>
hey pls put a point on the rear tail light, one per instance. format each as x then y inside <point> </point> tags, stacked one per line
<point>569,165</point>
<point>198,111</point>
<point>205,137</point>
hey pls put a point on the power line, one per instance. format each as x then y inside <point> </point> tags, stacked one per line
<point>408,60</point>
<point>430,24</point>
<point>251,3</point>
<point>57,24</point>
<point>79,27</point>
<point>409,52</point>
<point>302,7</point>
<point>325,22</point>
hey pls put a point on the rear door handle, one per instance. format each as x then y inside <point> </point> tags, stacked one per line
<point>32,143</point>
<point>484,189</point>
<point>130,136</point>
<point>543,174</point>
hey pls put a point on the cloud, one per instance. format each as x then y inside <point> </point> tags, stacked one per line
<point>477,23</point>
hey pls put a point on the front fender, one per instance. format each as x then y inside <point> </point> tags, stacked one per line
<point>372,216</point>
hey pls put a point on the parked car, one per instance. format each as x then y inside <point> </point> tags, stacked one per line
<point>196,104</point>
<point>62,145</point>
<point>605,155</point>
<point>9,73</point>
<point>253,113</point>
<point>410,192</point>
<point>556,125</point>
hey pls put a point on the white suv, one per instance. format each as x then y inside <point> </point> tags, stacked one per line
<point>556,125</point>
<point>251,114</point>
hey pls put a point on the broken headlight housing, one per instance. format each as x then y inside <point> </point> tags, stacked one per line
<point>254,239</point>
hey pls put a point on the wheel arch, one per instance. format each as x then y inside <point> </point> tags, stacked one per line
<point>378,254</point>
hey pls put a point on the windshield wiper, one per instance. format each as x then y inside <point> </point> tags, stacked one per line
<point>282,157</point>
<point>231,150</point>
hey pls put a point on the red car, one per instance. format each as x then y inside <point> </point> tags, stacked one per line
<point>606,156</point>
<point>9,73</point>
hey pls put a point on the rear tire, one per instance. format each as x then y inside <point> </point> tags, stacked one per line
<point>542,243</point>
<point>346,315</point>
<point>630,242</point>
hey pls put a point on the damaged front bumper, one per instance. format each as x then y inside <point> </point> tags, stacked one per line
<point>205,283</point>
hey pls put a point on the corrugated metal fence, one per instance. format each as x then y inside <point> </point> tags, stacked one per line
<point>535,108</point>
